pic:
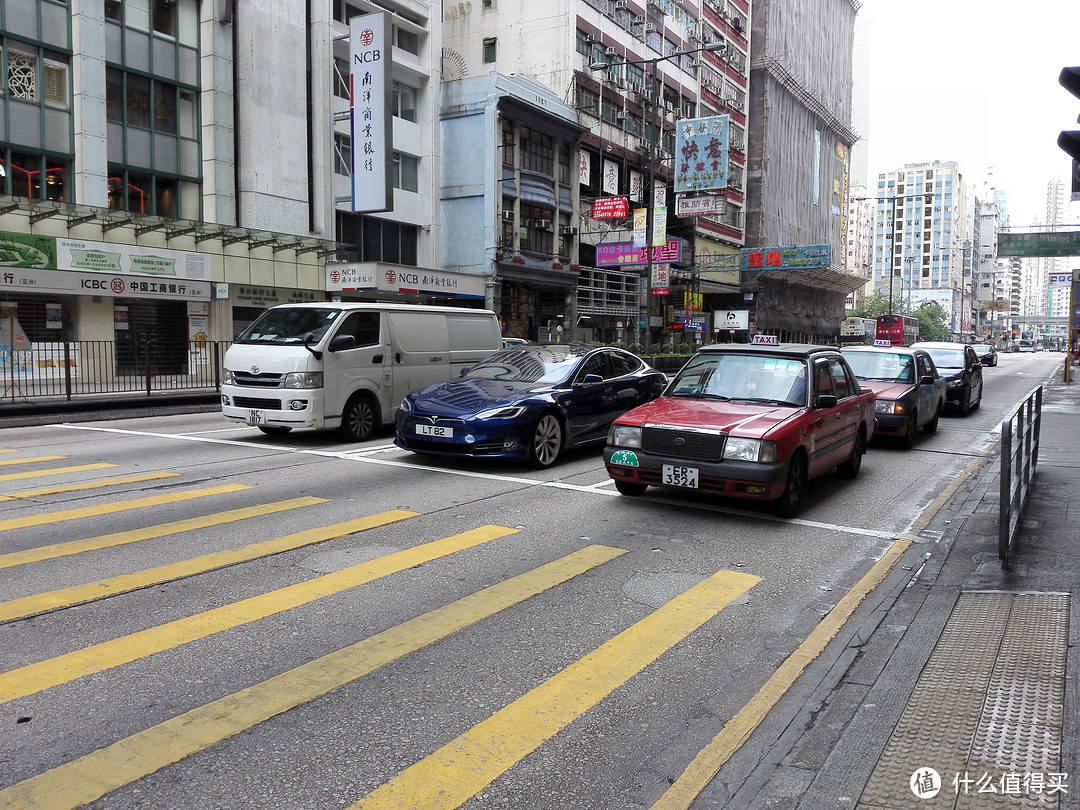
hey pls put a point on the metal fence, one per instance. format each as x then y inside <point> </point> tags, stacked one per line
<point>71,369</point>
<point>1019,457</point>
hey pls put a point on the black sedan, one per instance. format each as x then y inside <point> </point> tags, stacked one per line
<point>527,403</point>
<point>960,366</point>
<point>986,353</point>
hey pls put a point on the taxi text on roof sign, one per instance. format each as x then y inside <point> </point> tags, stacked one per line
<point>767,340</point>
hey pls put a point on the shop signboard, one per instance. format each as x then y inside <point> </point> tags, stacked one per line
<point>32,280</point>
<point>619,254</point>
<point>781,258</point>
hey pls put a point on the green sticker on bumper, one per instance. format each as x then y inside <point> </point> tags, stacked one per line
<point>625,458</point>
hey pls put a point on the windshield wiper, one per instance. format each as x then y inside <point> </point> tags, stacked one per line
<point>699,395</point>
<point>764,401</point>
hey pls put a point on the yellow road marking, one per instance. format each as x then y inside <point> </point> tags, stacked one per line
<point>53,471</point>
<point>30,460</point>
<point>462,768</point>
<point>66,597</point>
<point>38,677</point>
<point>737,730</point>
<point>30,555</point>
<point>94,775</point>
<point>120,506</point>
<point>103,482</point>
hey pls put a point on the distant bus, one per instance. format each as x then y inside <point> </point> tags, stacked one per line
<point>899,330</point>
<point>858,331</point>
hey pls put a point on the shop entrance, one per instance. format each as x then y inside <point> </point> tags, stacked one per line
<point>151,332</point>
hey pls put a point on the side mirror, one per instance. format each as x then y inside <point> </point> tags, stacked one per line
<point>342,342</point>
<point>309,341</point>
<point>826,400</point>
<point>591,379</point>
<point>926,379</point>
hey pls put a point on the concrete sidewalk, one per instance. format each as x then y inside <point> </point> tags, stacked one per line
<point>953,664</point>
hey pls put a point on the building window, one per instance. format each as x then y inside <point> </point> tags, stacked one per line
<point>403,101</point>
<point>537,152</point>
<point>537,234</point>
<point>406,172</point>
<point>341,77</point>
<point>35,176</point>
<point>489,50</point>
<point>22,75</point>
<point>342,154</point>
<point>407,41</point>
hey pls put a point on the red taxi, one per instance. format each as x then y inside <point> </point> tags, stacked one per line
<point>746,421</point>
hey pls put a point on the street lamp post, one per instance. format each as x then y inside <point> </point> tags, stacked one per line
<point>654,134</point>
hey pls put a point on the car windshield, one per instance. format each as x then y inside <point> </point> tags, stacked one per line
<point>529,364</point>
<point>947,358</point>
<point>742,378</point>
<point>882,366</point>
<point>289,325</point>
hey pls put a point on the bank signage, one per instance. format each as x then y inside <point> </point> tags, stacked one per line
<point>377,277</point>
<point>53,253</point>
<point>99,283</point>
<point>369,108</point>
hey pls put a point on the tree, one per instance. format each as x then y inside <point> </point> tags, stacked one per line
<point>933,320</point>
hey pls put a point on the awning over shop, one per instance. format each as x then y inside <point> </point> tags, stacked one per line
<point>831,279</point>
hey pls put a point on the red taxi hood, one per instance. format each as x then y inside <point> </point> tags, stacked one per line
<point>749,421</point>
<point>886,390</point>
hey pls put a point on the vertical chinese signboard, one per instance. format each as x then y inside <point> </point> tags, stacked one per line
<point>369,90</point>
<point>701,153</point>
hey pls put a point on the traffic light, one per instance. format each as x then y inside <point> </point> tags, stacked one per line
<point>1069,140</point>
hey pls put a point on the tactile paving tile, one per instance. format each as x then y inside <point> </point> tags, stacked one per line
<point>986,713</point>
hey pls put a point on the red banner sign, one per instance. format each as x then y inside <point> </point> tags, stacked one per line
<point>610,208</point>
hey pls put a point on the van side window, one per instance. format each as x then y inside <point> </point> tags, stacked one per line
<point>364,326</point>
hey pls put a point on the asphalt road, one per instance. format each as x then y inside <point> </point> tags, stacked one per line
<point>197,615</point>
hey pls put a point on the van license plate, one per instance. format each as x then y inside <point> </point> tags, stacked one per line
<point>680,476</point>
<point>256,417</point>
<point>435,430</point>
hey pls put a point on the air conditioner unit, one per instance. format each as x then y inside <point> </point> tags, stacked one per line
<point>695,64</point>
<point>639,20</point>
<point>591,38</point>
<point>618,83</point>
<point>619,5</point>
<point>620,117</point>
<point>612,51</point>
<point>568,230</point>
<point>542,224</point>
<point>650,28</point>
<point>508,216</point>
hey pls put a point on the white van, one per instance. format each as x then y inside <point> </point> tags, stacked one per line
<point>347,365</point>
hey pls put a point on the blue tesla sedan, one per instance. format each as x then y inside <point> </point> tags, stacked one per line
<point>527,403</point>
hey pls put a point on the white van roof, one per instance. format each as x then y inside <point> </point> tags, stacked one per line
<point>348,305</point>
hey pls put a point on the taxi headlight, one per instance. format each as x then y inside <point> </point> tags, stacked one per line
<point>888,406</point>
<point>624,436</point>
<point>736,449</point>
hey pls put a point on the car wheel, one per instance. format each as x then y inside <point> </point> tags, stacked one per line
<point>965,409</point>
<point>546,442</point>
<point>630,488</point>
<point>851,467</point>
<point>273,430</point>
<point>908,439</point>
<point>788,503</point>
<point>931,426</point>
<point>358,422</point>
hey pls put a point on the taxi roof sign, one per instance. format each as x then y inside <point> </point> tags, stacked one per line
<point>885,342</point>
<point>768,340</point>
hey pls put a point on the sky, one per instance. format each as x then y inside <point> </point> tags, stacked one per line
<point>976,83</point>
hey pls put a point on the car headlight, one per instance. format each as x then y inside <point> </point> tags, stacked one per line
<point>503,412</point>
<point>624,436</point>
<point>888,406</point>
<point>736,449</point>
<point>955,383</point>
<point>304,379</point>
<point>228,378</point>
<point>405,405</point>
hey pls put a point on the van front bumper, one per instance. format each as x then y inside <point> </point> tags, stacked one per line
<point>292,408</point>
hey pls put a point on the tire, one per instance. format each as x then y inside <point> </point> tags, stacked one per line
<point>931,426</point>
<point>545,442</point>
<point>273,430</point>
<point>359,420</point>
<point>851,467</point>
<point>965,409</point>
<point>788,503</point>
<point>908,439</point>
<point>630,488</point>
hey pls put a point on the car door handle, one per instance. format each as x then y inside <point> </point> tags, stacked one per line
<point>376,360</point>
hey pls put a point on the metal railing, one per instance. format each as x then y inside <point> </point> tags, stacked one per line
<point>70,369</point>
<point>1019,457</point>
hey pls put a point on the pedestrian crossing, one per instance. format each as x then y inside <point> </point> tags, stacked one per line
<point>446,777</point>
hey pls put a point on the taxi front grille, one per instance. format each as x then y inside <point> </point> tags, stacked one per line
<point>688,444</point>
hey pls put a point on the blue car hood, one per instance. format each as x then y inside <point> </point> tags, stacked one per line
<point>467,397</point>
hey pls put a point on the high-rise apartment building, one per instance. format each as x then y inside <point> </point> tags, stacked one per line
<point>922,245</point>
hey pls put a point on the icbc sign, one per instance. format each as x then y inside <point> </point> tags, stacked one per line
<point>117,285</point>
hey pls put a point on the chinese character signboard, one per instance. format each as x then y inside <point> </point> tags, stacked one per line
<point>781,258</point>
<point>610,181</point>
<point>700,206</point>
<point>1062,243</point>
<point>369,87</point>
<point>701,153</point>
<point>618,254</point>
<point>610,208</point>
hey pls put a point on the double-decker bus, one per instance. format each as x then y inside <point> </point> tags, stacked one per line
<point>858,331</point>
<point>898,330</point>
